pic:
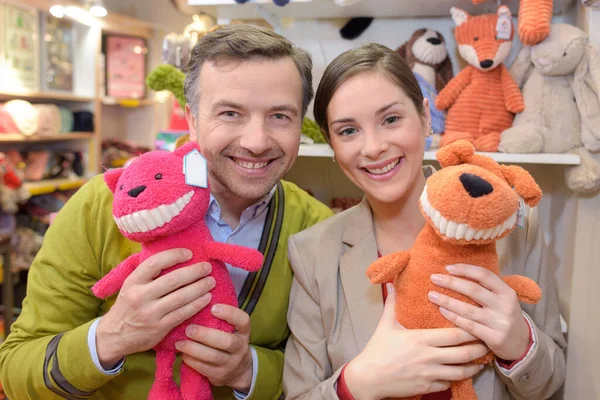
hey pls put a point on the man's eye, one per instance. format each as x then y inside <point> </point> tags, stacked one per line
<point>230,114</point>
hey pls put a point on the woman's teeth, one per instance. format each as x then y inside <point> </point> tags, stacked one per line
<point>387,168</point>
<point>251,165</point>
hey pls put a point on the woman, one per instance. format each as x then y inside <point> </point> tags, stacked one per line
<point>344,342</point>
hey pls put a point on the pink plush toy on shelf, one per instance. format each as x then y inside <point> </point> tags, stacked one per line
<point>160,201</point>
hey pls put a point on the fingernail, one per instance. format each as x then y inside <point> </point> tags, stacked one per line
<point>481,366</point>
<point>433,296</point>
<point>178,345</point>
<point>187,253</point>
<point>436,278</point>
<point>217,309</point>
<point>450,268</point>
<point>190,331</point>
<point>390,287</point>
<point>211,281</point>
<point>443,311</point>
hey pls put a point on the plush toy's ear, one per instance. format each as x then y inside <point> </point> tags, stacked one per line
<point>186,148</point>
<point>459,16</point>
<point>444,75</point>
<point>111,177</point>
<point>523,183</point>
<point>455,153</point>
<point>402,50</point>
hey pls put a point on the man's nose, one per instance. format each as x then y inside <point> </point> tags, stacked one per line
<point>255,138</point>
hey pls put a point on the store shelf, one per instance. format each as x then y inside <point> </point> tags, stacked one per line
<point>49,96</point>
<point>323,150</point>
<point>229,9</point>
<point>52,185</point>
<point>110,101</point>
<point>61,137</point>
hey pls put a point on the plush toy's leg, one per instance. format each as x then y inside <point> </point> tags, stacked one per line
<point>488,142</point>
<point>452,136</point>
<point>585,177</point>
<point>527,290</point>
<point>485,360</point>
<point>521,139</point>
<point>194,386</point>
<point>463,390</point>
<point>534,21</point>
<point>164,386</point>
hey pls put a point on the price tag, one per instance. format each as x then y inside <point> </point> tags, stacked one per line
<point>195,169</point>
<point>521,213</point>
<point>504,27</point>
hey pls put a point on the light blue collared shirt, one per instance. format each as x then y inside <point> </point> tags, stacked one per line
<point>248,233</point>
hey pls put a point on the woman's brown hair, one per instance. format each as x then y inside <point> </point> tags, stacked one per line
<point>368,57</point>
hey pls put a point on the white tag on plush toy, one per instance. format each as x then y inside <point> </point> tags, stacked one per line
<point>503,27</point>
<point>521,213</point>
<point>195,169</point>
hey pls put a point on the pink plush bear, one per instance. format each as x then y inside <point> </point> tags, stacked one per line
<point>153,205</point>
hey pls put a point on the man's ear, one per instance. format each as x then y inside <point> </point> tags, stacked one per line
<point>523,183</point>
<point>191,120</point>
<point>111,177</point>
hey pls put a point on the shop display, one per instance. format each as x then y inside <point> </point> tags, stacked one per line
<point>489,200</point>
<point>24,115</point>
<point>58,51</point>
<point>7,124</point>
<point>125,67</point>
<point>49,119</point>
<point>19,48</point>
<point>427,56</point>
<point>560,78</point>
<point>154,181</point>
<point>483,98</point>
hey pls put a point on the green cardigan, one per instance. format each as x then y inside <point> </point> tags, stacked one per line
<point>46,356</point>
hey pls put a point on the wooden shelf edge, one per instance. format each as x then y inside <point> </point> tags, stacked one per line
<point>50,96</point>
<point>61,137</point>
<point>129,103</point>
<point>323,150</point>
<point>52,185</point>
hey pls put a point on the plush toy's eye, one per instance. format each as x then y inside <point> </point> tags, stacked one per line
<point>476,38</point>
<point>121,187</point>
<point>565,54</point>
<point>158,176</point>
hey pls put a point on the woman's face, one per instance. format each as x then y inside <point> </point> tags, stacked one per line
<point>378,135</point>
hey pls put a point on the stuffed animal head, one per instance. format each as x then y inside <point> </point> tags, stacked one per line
<point>473,199</point>
<point>484,41</point>
<point>562,51</point>
<point>152,198</point>
<point>428,47</point>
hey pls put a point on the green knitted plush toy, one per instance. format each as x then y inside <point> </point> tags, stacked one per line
<point>312,130</point>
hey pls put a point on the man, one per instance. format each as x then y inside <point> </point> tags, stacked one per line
<point>247,91</point>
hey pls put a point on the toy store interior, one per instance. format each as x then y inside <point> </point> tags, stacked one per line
<point>87,85</point>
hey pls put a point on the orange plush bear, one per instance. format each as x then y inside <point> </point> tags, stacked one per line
<point>534,20</point>
<point>468,205</point>
<point>483,98</point>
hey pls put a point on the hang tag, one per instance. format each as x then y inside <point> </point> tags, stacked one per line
<point>521,213</point>
<point>195,169</point>
<point>504,27</point>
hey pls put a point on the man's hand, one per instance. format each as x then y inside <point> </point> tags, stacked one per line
<point>224,358</point>
<point>147,307</point>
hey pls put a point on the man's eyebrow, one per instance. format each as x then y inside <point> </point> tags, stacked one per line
<point>226,104</point>
<point>285,107</point>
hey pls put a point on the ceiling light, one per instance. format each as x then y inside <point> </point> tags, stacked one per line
<point>57,11</point>
<point>98,11</point>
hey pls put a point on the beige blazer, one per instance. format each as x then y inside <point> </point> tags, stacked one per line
<point>334,309</point>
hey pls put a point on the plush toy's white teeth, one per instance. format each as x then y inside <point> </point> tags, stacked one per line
<point>147,220</point>
<point>459,231</point>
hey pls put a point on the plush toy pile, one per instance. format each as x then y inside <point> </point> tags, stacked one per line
<point>468,205</point>
<point>160,201</point>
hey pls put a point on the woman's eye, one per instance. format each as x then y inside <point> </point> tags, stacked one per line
<point>158,176</point>
<point>348,131</point>
<point>391,120</point>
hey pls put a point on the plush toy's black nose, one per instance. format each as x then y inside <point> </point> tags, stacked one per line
<point>135,192</point>
<point>433,40</point>
<point>486,63</point>
<point>475,186</point>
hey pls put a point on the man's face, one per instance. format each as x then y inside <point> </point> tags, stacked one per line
<point>249,123</point>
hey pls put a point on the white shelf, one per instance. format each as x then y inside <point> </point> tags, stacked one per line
<point>229,9</point>
<point>323,150</point>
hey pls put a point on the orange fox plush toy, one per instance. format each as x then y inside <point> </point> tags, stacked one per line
<point>483,98</point>
<point>468,205</point>
<point>534,20</point>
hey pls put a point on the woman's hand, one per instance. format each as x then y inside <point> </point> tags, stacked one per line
<point>401,363</point>
<point>498,322</point>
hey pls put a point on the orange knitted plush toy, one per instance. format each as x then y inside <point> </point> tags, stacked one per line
<point>534,20</point>
<point>483,98</point>
<point>468,205</point>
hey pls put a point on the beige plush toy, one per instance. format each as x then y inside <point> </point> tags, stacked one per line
<point>560,79</point>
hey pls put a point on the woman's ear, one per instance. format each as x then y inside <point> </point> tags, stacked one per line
<point>427,116</point>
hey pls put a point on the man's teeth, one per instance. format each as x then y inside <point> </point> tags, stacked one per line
<point>147,220</point>
<point>251,165</point>
<point>459,231</point>
<point>381,171</point>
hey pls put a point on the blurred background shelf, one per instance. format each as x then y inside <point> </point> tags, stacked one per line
<point>12,138</point>
<point>52,185</point>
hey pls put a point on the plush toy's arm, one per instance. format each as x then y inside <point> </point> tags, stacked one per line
<point>522,67</point>
<point>513,98</point>
<point>527,290</point>
<point>453,89</point>
<point>385,269</point>
<point>112,282</point>
<point>586,88</point>
<point>239,256</point>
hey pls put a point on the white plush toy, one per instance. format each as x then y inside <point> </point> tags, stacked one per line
<point>560,79</point>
